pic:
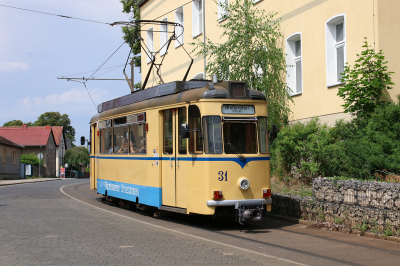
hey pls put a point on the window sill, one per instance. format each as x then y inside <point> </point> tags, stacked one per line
<point>195,36</point>
<point>336,84</point>
<point>163,54</point>
<point>178,46</point>
<point>256,1</point>
<point>296,94</point>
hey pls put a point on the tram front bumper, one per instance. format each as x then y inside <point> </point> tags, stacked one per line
<point>247,210</point>
<point>243,203</point>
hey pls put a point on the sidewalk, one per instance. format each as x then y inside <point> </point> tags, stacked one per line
<point>24,181</point>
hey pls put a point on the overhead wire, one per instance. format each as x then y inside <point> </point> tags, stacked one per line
<point>51,14</point>
<point>93,70</point>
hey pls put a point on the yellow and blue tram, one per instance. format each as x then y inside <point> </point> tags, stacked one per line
<point>185,146</point>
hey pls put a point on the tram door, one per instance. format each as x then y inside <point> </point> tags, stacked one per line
<point>174,186</point>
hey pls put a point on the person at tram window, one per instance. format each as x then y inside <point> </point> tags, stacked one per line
<point>124,146</point>
<point>132,148</point>
<point>143,143</point>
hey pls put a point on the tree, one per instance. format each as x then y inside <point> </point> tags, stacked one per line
<point>132,34</point>
<point>365,83</point>
<point>77,155</point>
<point>251,53</point>
<point>30,159</point>
<point>16,123</point>
<point>56,119</point>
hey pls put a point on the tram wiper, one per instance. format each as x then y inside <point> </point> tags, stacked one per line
<point>241,157</point>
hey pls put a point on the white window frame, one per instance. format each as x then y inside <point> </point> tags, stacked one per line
<point>150,44</point>
<point>256,1</point>
<point>197,17</point>
<point>197,76</point>
<point>291,60</point>
<point>179,30</point>
<point>331,46</point>
<point>222,13</point>
<point>163,37</point>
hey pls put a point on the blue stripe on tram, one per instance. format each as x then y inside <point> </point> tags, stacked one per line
<point>147,195</point>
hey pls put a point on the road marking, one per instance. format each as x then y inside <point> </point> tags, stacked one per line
<point>185,234</point>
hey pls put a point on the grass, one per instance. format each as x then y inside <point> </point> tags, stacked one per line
<point>290,187</point>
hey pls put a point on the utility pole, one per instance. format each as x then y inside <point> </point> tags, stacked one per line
<point>132,74</point>
<point>204,35</point>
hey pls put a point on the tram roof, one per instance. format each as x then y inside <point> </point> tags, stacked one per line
<point>176,92</point>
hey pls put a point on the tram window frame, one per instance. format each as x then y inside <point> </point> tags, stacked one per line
<point>137,130</point>
<point>206,135</point>
<point>120,146</point>
<point>104,127</point>
<point>166,137</point>
<point>182,119</point>
<point>260,135</point>
<point>237,150</point>
<point>195,136</point>
<point>139,145</point>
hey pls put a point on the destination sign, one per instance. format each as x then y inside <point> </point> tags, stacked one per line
<point>238,109</point>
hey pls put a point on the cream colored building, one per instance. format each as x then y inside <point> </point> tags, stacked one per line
<point>320,36</point>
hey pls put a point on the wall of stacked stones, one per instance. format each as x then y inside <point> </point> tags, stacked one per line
<point>349,202</point>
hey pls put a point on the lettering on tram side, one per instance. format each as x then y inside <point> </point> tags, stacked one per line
<point>222,175</point>
<point>121,188</point>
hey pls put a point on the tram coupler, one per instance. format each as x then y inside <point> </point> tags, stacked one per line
<point>248,213</point>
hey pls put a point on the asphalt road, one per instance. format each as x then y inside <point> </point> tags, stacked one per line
<point>62,223</point>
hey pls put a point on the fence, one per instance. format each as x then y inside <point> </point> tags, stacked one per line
<point>76,174</point>
<point>374,205</point>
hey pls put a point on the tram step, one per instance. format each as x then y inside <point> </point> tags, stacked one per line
<point>173,209</point>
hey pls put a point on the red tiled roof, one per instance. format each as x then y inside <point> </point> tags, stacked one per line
<point>27,136</point>
<point>57,133</point>
<point>6,141</point>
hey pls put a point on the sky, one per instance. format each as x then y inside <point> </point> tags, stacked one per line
<point>35,49</point>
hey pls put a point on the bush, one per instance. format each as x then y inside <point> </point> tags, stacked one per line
<point>353,149</point>
<point>30,159</point>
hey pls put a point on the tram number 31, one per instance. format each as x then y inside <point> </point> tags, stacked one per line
<point>223,175</point>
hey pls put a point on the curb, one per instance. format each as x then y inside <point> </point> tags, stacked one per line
<point>352,231</point>
<point>24,182</point>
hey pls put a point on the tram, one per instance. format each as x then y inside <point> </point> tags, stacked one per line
<point>193,147</point>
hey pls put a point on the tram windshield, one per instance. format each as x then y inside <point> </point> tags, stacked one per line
<point>240,137</point>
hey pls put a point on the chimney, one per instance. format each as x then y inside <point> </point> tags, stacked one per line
<point>47,127</point>
<point>24,126</point>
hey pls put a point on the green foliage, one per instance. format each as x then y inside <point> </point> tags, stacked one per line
<point>77,155</point>
<point>31,159</point>
<point>363,227</point>
<point>338,220</point>
<point>56,119</point>
<point>388,230</point>
<point>366,83</point>
<point>16,123</point>
<point>252,52</point>
<point>132,34</point>
<point>347,150</point>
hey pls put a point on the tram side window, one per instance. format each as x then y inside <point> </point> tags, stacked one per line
<point>167,133</point>
<point>121,140</point>
<point>137,138</point>
<point>263,134</point>
<point>212,134</point>
<point>195,140</point>
<point>182,119</point>
<point>105,141</point>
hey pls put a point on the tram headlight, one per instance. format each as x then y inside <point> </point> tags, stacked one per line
<point>244,183</point>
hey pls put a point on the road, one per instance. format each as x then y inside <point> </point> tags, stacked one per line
<point>62,223</point>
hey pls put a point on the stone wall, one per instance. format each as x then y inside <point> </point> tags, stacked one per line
<point>353,203</point>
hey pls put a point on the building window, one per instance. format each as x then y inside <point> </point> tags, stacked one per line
<point>197,16</point>
<point>256,1</point>
<point>294,66</point>
<point>335,34</point>
<point>164,37</point>
<point>179,30</point>
<point>223,12</point>
<point>14,158</point>
<point>150,45</point>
